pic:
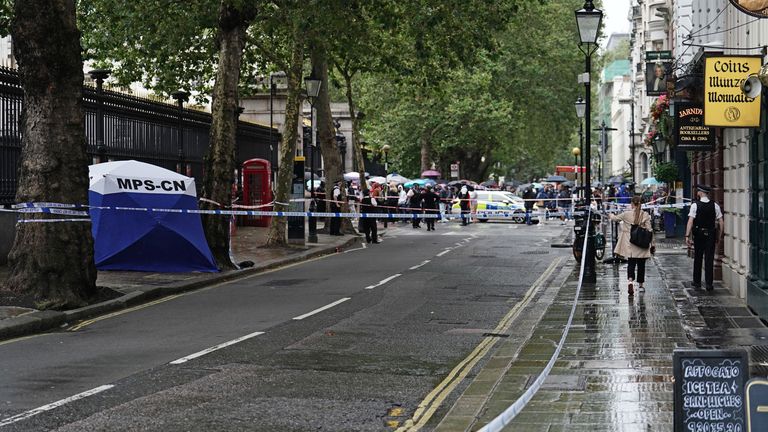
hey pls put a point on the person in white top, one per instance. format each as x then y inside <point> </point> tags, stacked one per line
<point>705,226</point>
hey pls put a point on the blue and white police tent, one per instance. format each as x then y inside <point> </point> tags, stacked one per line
<point>140,239</point>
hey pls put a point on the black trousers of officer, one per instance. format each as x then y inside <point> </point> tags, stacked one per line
<point>704,249</point>
<point>335,228</point>
<point>431,220</point>
<point>371,230</point>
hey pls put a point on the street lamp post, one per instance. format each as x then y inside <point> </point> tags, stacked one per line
<point>576,151</point>
<point>313,90</point>
<point>588,21</point>
<point>581,107</point>
<point>181,96</point>
<point>659,147</point>
<point>99,75</point>
<point>385,149</point>
<point>603,147</point>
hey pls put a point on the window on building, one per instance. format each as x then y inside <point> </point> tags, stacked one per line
<point>644,169</point>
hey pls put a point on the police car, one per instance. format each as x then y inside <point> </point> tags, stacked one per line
<point>499,203</point>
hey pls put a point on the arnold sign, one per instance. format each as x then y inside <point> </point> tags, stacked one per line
<point>724,103</point>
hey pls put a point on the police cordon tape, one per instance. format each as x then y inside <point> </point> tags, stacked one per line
<point>82,211</point>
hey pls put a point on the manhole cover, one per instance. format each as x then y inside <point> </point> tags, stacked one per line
<point>284,282</point>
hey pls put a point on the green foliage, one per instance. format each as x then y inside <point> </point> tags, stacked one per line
<point>666,172</point>
<point>165,45</point>
<point>512,102</point>
<point>6,14</point>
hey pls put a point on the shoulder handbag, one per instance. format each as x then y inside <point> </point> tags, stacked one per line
<point>640,236</point>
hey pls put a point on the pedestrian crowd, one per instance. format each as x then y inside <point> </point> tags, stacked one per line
<point>635,227</point>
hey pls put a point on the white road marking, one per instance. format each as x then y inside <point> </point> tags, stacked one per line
<point>449,233</point>
<point>328,306</point>
<point>50,406</point>
<point>214,348</point>
<point>383,281</point>
<point>425,262</point>
<point>459,244</point>
<point>443,252</point>
<point>362,246</point>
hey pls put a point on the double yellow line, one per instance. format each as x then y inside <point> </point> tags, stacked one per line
<point>435,398</point>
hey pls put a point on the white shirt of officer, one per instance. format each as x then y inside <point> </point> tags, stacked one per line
<point>705,199</point>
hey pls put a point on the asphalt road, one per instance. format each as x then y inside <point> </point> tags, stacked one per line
<point>353,341</point>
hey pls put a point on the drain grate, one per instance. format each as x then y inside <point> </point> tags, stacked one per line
<point>561,382</point>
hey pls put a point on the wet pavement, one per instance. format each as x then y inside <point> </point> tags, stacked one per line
<point>615,370</point>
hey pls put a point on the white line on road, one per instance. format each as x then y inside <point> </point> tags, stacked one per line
<point>425,262</point>
<point>443,252</point>
<point>328,306</point>
<point>362,246</point>
<point>50,406</point>
<point>214,348</point>
<point>383,281</point>
<point>449,233</point>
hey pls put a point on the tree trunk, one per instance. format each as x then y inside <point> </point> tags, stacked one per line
<point>52,261</point>
<point>356,141</point>
<point>220,160</point>
<point>425,143</point>
<point>325,133</point>
<point>278,227</point>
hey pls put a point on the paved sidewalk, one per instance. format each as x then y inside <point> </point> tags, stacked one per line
<point>615,370</point>
<point>139,287</point>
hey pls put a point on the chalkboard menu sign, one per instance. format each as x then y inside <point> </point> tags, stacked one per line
<point>690,131</point>
<point>709,390</point>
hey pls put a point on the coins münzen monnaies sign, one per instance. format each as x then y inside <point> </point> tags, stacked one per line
<point>758,8</point>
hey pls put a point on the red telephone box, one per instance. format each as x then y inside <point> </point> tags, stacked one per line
<point>257,190</point>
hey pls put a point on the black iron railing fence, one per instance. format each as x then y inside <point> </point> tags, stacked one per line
<point>133,128</point>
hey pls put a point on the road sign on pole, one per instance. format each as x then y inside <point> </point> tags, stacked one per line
<point>455,170</point>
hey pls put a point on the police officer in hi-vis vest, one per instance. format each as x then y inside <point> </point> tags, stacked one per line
<point>705,225</point>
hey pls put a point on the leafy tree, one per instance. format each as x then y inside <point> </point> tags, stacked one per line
<point>511,104</point>
<point>52,261</point>
<point>277,235</point>
<point>234,19</point>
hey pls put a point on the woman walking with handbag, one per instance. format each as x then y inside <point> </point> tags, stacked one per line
<point>636,242</point>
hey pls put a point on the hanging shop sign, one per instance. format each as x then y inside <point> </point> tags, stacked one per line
<point>725,105</point>
<point>690,132</point>
<point>656,73</point>
<point>758,8</point>
<point>658,55</point>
